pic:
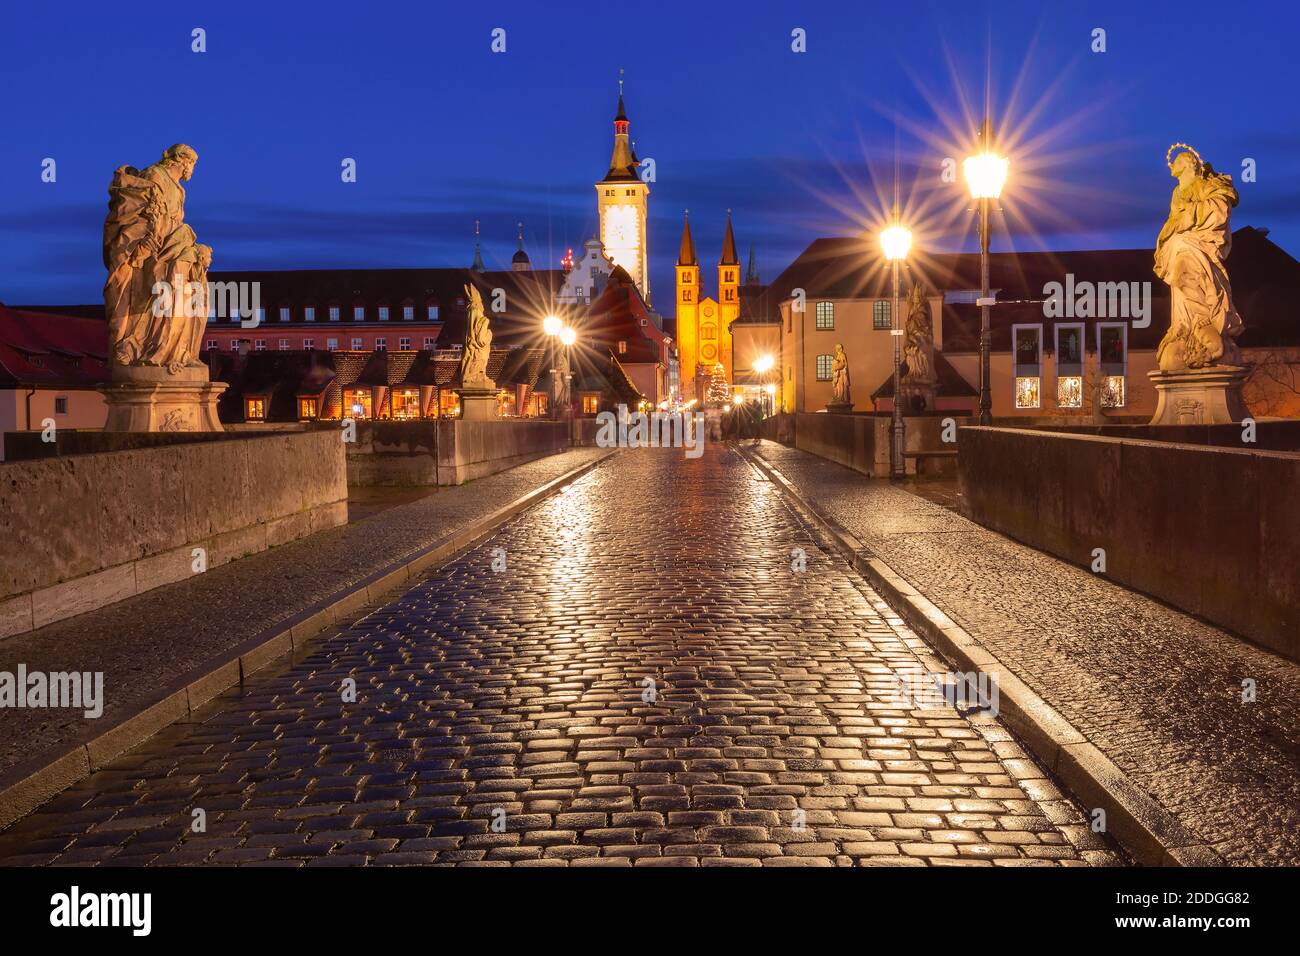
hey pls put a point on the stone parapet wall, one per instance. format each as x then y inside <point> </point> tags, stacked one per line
<point>1213,531</point>
<point>80,531</point>
<point>447,451</point>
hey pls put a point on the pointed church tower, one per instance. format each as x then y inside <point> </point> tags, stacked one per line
<point>688,309</point>
<point>478,252</point>
<point>621,201</point>
<point>728,295</point>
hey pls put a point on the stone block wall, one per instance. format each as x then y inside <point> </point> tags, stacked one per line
<point>80,531</point>
<point>1213,531</point>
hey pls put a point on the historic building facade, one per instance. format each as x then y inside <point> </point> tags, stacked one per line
<point>704,323</point>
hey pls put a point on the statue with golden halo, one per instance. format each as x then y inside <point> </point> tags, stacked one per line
<point>1200,373</point>
<point>1190,254</point>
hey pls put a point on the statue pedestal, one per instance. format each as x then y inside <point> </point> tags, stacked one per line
<point>916,396</point>
<point>839,408</point>
<point>150,399</point>
<point>478,404</point>
<point>1202,396</point>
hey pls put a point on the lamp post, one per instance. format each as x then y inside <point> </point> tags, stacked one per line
<point>567,337</point>
<point>896,242</point>
<point>763,365</point>
<point>552,325</point>
<point>985,175</point>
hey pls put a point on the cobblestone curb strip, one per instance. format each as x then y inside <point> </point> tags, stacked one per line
<point>46,778</point>
<point>1149,833</point>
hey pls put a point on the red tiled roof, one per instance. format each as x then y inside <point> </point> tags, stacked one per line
<point>50,350</point>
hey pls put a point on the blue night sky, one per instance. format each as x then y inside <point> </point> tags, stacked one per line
<point>798,145</point>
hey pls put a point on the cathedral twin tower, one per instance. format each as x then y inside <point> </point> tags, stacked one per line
<point>703,324</point>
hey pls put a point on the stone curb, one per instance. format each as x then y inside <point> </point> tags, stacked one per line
<point>44,777</point>
<point>1152,835</point>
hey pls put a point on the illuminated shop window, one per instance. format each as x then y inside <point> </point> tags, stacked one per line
<point>1069,391</point>
<point>1027,392</point>
<point>356,402</point>
<point>406,403</point>
<point>448,403</point>
<point>1112,391</point>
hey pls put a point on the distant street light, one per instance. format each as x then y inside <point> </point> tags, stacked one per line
<point>568,336</point>
<point>762,365</point>
<point>986,174</point>
<point>551,325</point>
<point>896,242</point>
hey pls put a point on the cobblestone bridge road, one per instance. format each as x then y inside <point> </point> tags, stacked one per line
<point>515,697</point>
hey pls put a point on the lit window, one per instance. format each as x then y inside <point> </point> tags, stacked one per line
<point>1027,392</point>
<point>824,363</point>
<point>356,345</point>
<point>590,404</point>
<point>882,315</point>
<point>404,344</point>
<point>306,408</point>
<point>383,313</point>
<point>284,314</point>
<point>284,345</point>
<point>260,345</point>
<point>406,403</point>
<point>433,312</point>
<point>1069,391</point>
<point>331,344</point>
<point>309,314</point>
<point>381,344</point>
<point>825,316</point>
<point>255,410</point>
<point>1112,391</point>
<point>334,313</point>
<point>356,402</point>
<point>408,313</point>
<point>61,405</point>
<point>622,346</point>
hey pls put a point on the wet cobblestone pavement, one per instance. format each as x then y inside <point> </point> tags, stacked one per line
<point>1158,691</point>
<point>506,716</point>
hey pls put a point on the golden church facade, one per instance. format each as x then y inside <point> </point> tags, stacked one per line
<point>704,323</point>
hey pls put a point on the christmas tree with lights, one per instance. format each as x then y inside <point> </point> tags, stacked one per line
<point>719,392</point>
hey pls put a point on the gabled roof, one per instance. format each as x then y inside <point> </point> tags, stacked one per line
<point>949,382</point>
<point>619,314</point>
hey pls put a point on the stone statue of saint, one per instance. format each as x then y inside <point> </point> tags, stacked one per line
<point>1190,254</point>
<point>156,297</point>
<point>478,343</point>
<point>840,377</point>
<point>919,345</point>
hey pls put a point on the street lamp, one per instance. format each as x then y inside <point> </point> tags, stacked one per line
<point>896,242</point>
<point>986,173</point>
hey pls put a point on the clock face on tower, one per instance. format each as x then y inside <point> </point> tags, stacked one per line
<point>621,234</point>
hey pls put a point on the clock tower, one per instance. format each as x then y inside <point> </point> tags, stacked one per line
<point>621,201</point>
